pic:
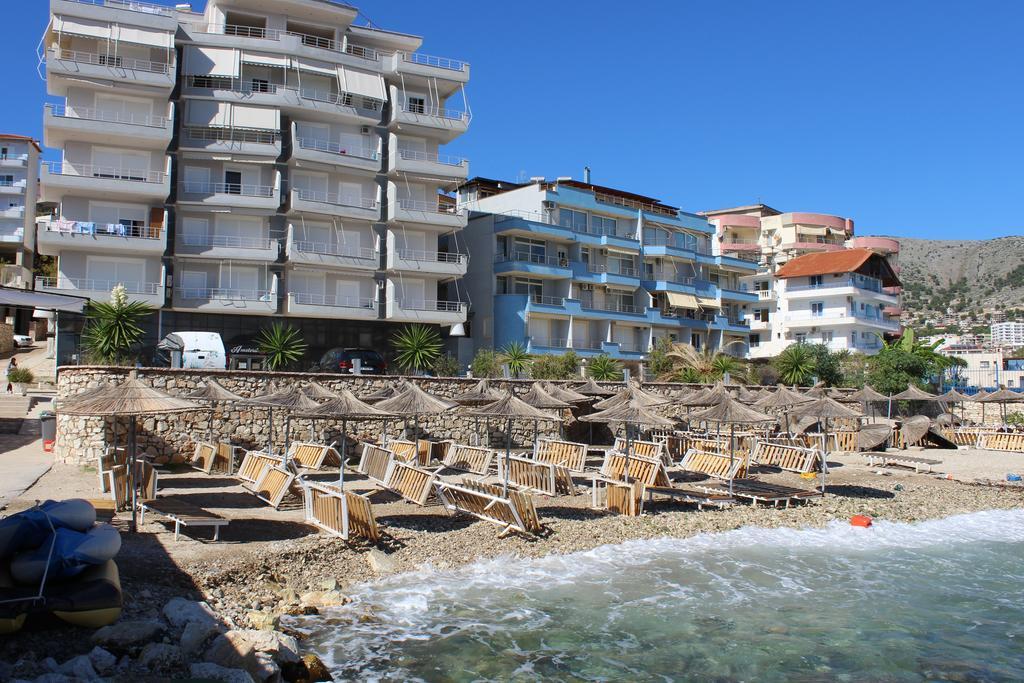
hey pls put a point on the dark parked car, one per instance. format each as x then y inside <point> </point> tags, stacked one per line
<point>341,360</point>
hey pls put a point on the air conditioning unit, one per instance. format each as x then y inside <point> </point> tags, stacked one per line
<point>586,288</point>
<point>604,252</point>
<point>548,205</point>
<point>365,130</point>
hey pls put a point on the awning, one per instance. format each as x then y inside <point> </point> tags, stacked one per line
<point>361,83</point>
<point>144,36</point>
<point>708,302</point>
<point>264,59</point>
<point>82,27</point>
<point>20,298</point>
<point>812,230</point>
<point>679,300</point>
<point>211,61</point>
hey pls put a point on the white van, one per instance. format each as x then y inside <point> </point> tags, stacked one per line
<point>198,350</point>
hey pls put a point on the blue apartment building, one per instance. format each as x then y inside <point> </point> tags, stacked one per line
<point>563,264</point>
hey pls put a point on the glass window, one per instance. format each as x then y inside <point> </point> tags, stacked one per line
<point>574,220</point>
<point>815,280</point>
<point>602,225</point>
<point>817,309</point>
<point>755,340</point>
<point>801,338</point>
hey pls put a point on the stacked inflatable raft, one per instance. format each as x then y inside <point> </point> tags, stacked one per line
<point>56,562</point>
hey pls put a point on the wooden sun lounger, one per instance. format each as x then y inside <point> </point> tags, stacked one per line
<point>484,501</point>
<point>204,456</point>
<point>646,449</point>
<point>272,486</point>
<point>339,513</point>
<point>717,465</point>
<point>538,477</point>
<point>845,441</point>
<point>472,459</point>
<point>253,465</point>
<point>761,492</point>
<point>695,496</point>
<point>106,462</point>
<point>405,451</point>
<point>312,457</point>
<point>964,436</point>
<point>182,513</point>
<point>1002,441</point>
<point>375,463</point>
<point>568,454</point>
<point>649,471</point>
<point>408,481</point>
<point>120,489</point>
<point>789,458</point>
<point>904,458</point>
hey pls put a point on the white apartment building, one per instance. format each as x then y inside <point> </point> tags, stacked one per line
<point>256,159</point>
<point>1008,334</point>
<point>835,298</point>
<point>19,192</point>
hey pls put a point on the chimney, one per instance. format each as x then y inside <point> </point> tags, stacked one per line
<point>586,174</point>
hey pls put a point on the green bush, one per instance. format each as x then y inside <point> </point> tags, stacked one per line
<point>564,366</point>
<point>517,358</point>
<point>446,365</point>
<point>485,364</point>
<point>282,345</point>
<point>21,376</point>
<point>417,347</point>
<point>604,368</point>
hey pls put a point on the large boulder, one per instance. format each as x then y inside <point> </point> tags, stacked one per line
<point>231,650</point>
<point>179,612</point>
<point>209,671</point>
<point>196,635</point>
<point>79,667</point>
<point>126,634</point>
<point>280,646</point>
<point>160,656</point>
<point>102,661</point>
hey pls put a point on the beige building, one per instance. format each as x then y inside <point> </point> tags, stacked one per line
<point>19,192</point>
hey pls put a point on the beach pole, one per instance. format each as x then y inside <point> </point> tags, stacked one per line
<point>341,468</point>
<point>133,474</point>
<point>287,438</point>
<point>508,456</point>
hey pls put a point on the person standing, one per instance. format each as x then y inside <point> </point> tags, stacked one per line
<point>7,374</point>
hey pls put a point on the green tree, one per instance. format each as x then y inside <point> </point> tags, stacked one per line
<point>704,366</point>
<point>796,364</point>
<point>658,360</point>
<point>416,346</point>
<point>517,358</point>
<point>562,366</point>
<point>827,364</point>
<point>114,328</point>
<point>892,370</point>
<point>485,364</point>
<point>446,365</point>
<point>282,344</point>
<point>604,368</point>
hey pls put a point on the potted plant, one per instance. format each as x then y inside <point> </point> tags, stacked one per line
<point>19,377</point>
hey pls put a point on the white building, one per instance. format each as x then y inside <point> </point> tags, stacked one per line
<point>257,159</point>
<point>986,369</point>
<point>836,298</point>
<point>1008,334</point>
<point>19,192</point>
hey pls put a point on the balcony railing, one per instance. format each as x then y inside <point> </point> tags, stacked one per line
<point>67,227</point>
<point>437,62</point>
<point>224,294</point>
<point>431,305</point>
<point>206,134</point>
<point>859,283</point>
<point>191,187</point>
<point>132,6</point>
<point>635,204</point>
<point>436,112</point>
<point>308,299</point>
<point>429,207</point>
<point>96,285</point>
<point>765,294</point>
<point>676,243</point>
<point>431,256</point>
<point>4,182</point>
<point>262,33</point>
<point>612,307</point>
<point>105,116</point>
<point>104,172</point>
<point>549,343</point>
<point>336,199</point>
<point>127,63</point>
<point>447,160</point>
<point>325,249</point>
<point>540,259</point>
<point>228,241</point>
<point>342,148</point>
<point>249,87</point>
<point>547,300</point>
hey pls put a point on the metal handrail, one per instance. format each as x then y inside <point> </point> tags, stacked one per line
<point>585,345</point>
<point>547,300</point>
<point>104,172</point>
<point>335,198</point>
<point>224,294</point>
<point>230,241</point>
<point>146,232</point>
<point>437,112</point>
<point>23,182</point>
<point>431,256</point>
<point>241,189</point>
<point>131,5</point>
<point>875,287</point>
<point>308,40</point>
<point>90,114</point>
<point>96,285</point>
<point>237,30</point>
<point>309,299</point>
<point>624,271</point>
<point>228,84</point>
<point>431,305</point>
<point>635,204</point>
<point>324,249</point>
<point>337,148</point>
<point>535,216</point>
<point>612,307</point>
<point>430,60</point>
<point>429,207</point>
<point>532,258</point>
<point>446,159</point>
<point>212,134</point>
<point>550,343</point>
<point>12,211</point>
<point>115,61</point>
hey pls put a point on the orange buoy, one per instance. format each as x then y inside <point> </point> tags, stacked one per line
<point>860,520</point>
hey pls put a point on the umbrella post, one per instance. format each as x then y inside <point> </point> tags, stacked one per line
<point>508,457</point>
<point>133,474</point>
<point>270,436</point>
<point>287,438</point>
<point>341,465</point>
<point>626,474</point>
<point>732,453</point>
<point>824,457</point>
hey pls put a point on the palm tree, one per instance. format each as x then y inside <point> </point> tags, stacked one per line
<point>796,364</point>
<point>517,358</point>
<point>418,346</point>
<point>604,368</point>
<point>704,366</point>
<point>113,328</point>
<point>282,344</point>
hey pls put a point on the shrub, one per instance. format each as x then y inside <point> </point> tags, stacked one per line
<point>282,344</point>
<point>564,366</point>
<point>517,358</point>
<point>604,368</point>
<point>485,364</point>
<point>20,376</point>
<point>417,347</point>
<point>113,328</point>
<point>796,364</point>
<point>446,365</point>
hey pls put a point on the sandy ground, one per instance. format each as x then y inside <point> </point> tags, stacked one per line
<point>266,555</point>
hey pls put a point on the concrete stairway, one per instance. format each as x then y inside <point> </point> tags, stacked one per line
<point>13,410</point>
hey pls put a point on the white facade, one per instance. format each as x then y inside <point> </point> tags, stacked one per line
<point>282,202</point>
<point>1008,334</point>
<point>19,192</point>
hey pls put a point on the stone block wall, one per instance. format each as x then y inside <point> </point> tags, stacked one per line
<point>6,338</point>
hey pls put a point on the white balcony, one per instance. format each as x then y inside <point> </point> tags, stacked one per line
<point>841,288</point>
<point>61,178</point>
<point>288,42</point>
<point>347,153</point>
<point>426,311</point>
<point>12,275</point>
<point>151,293</point>
<point>327,306</point>
<point>14,161</point>
<point>427,262</point>
<point>227,247</point>
<point>332,255</point>
<point>297,102</point>
<point>76,64</point>
<point>65,235</point>
<point>62,124</point>
<point>13,188</point>
<point>334,204</point>
<point>220,300</point>
<point>233,195</point>
<point>17,212</point>
<point>435,122</point>
<point>427,213</point>
<point>427,164</point>
<point>833,317</point>
<point>454,71</point>
<point>11,233</point>
<point>238,141</point>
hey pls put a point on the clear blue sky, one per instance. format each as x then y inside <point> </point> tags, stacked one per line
<point>906,116</point>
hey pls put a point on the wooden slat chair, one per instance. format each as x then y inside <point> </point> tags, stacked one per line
<point>204,456</point>
<point>538,477</point>
<point>106,462</point>
<point>1002,441</point>
<point>963,436</point>
<point>646,470</point>
<point>405,451</point>
<point>472,459</point>
<point>120,487</point>
<point>485,501</point>
<point>568,454</point>
<point>182,513</point>
<point>906,459</point>
<point>762,492</point>
<point>272,486</point>
<point>339,513</point>
<point>646,449</point>
<point>410,482</point>
<point>845,441</point>
<point>715,465</point>
<point>375,463</point>
<point>254,463</point>
<point>699,498</point>
<point>789,458</point>
<point>624,499</point>
<point>312,457</point>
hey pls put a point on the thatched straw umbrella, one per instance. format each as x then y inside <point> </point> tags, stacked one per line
<point>744,395</point>
<point>954,396</point>
<point>632,393</point>
<point>865,397</point>
<point>782,399</point>
<point>382,394</point>
<point>871,436</point>
<point>131,398</point>
<point>291,398</point>
<point>731,412</point>
<point>481,394</point>
<point>593,389</point>
<point>825,409</point>
<point>318,392</point>
<point>412,400</point>
<point>539,398</point>
<point>214,393</point>
<point>629,413</point>
<point>347,407</point>
<point>914,428</point>
<point>911,393</point>
<point>564,393</point>
<point>1002,397</point>
<point>510,408</point>
<point>980,398</point>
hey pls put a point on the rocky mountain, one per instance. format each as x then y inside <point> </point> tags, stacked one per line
<point>965,278</point>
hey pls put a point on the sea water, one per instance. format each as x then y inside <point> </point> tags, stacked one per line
<point>938,600</point>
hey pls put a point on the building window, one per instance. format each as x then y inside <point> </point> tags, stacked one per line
<point>826,336</point>
<point>416,105</point>
<point>6,180</point>
<point>801,338</point>
<point>761,315</point>
<point>602,225</point>
<point>695,341</point>
<point>533,288</point>
<point>815,280</point>
<point>526,249</point>
<point>574,220</point>
<point>817,309</point>
<point>755,340</point>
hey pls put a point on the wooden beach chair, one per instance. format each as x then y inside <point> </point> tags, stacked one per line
<point>272,486</point>
<point>106,462</point>
<point>538,477</point>
<point>514,512</point>
<point>716,465</point>
<point>405,451</point>
<point>183,514</point>
<point>646,449</point>
<point>408,481</point>
<point>789,458</point>
<point>339,513</point>
<point>120,486</point>
<point>471,459</point>
<point>203,457</point>
<point>568,454</point>
<point>904,459</point>
<point>695,496</point>
<point>762,492</point>
<point>1002,441</point>
<point>845,441</point>
<point>312,457</point>
<point>650,471</point>
<point>375,463</point>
